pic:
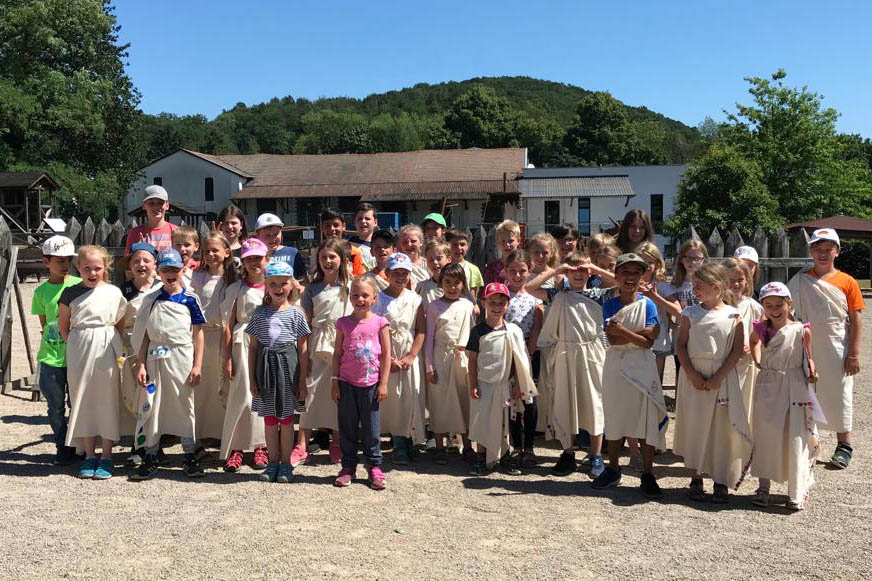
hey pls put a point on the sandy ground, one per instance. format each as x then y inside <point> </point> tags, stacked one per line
<point>431,522</point>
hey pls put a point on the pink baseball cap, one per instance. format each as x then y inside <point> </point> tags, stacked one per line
<point>253,247</point>
<point>496,288</point>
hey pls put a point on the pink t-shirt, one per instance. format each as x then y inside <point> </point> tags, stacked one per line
<point>361,350</point>
<point>161,238</point>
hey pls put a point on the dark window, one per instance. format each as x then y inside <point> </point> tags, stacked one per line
<point>210,190</point>
<point>493,211</point>
<point>657,212</point>
<point>265,205</point>
<point>158,181</point>
<point>552,214</point>
<point>584,216</point>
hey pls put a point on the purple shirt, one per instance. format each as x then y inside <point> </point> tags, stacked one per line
<point>361,350</point>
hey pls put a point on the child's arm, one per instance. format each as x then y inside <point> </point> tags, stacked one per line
<point>337,359</point>
<point>534,285</point>
<point>736,353</point>
<point>429,338</point>
<point>852,359</point>
<point>252,365</point>
<point>473,375</point>
<point>694,376</point>
<point>418,342</point>
<point>538,317</point>
<point>302,366</point>
<point>618,334</point>
<point>227,343</point>
<point>806,343</point>
<point>64,320</point>
<point>756,346</point>
<point>670,305</point>
<point>384,338</point>
<point>607,275</point>
<point>141,375</point>
<point>196,370</point>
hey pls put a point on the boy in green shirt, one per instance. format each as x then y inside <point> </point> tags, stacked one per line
<point>57,254</point>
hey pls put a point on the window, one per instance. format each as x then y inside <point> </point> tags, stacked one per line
<point>657,213</point>
<point>584,216</point>
<point>158,181</point>
<point>552,214</point>
<point>210,190</point>
<point>265,205</point>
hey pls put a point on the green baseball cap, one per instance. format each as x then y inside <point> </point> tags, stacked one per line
<point>435,217</point>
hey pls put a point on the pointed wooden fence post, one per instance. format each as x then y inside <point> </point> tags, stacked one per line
<point>779,247</point>
<point>101,236</point>
<point>734,240</point>
<point>204,229</point>
<point>117,238</point>
<point>689,234</point>
<point>715,245</point>
<point>74,230</point>
<point>88,231</point>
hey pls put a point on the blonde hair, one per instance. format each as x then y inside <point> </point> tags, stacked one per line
<point>716,275</point>
<point>681,272</point>
<point>366,280</point>
<point>575,258</point>
<point>96,250</point>
<point>437,244</point>
<point>507,227</point>
<point>650,252</point>
<point>547,241</point>
<point>185,232</point>
<point>410,229</point>
<point>593,244</point>
<point>732,263</point>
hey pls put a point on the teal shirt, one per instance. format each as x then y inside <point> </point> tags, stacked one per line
<point>53,348</point>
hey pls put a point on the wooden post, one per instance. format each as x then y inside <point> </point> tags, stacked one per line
<point>779,247</point>
<point>689,234</point>
<point>73,230</point>
<point>101,236</point>
<point>117,238</point>
<point>22,318</point>
<point>734,240</point>
<point>8,254</point>
<point>715,245</point>
<point>760,241</point>
<point>88,231</point>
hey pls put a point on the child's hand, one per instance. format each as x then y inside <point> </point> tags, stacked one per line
<point>141,376</point>
<point>852,365</point>
<point>616,327</point>
<point>516,392</point>
<point>432,378</point>
<point>194,376</point>
<point>253,389</point>
<point>334,391</point>
<point>696,380</point>
<point>302,392</point>
<point>474,392</point>
<point>395,365</point>
<point>812,372</point>
<point>382,393</point>
<point>746,349</point>
<point>648,289</point>
<point>228,368</point>
<point>406,361</point>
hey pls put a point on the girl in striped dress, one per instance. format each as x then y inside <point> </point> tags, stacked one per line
<point>277,364</point>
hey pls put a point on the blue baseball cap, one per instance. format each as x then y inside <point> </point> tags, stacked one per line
<point>169,258</point>
<point>137,246</point>
<point>276,268</point>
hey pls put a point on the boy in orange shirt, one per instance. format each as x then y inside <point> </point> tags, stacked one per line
<point>333,226</point>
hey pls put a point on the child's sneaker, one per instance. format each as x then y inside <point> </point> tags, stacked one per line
<point>234,462</point>
<point>607,479</point>
<point>335,453</point>
<point>720,495</point>
<point>469,455</point>
<point>88,468</point>
<point>65,456</point>
<point>286,473</point>
<point>298,456</point>
<point>529,459</point>
<point>440,456</point>
<point>511,464</point>
<point>346,475</point>
<point>270,473</point>
<point>761,498</point>
<point>842,456</point>
<point>565,465</point>
<point>260,459</point>
<point>400,456</point>
<point>192,466</point>
<point>104,470</point>
<point>376,478</point>
<point>794,505</point>
<point>136,458</point>
<point>147,470</point>
<point>596,466</point>
<point>649,487</point>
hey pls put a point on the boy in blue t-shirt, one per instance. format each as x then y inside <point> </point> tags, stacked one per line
<point>57,255</point>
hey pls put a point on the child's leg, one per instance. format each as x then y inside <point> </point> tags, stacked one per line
<point>531,417</point>
<point>90,446</point>
<point>106,448</point>
<point>647,457</point>
<point>516,431</point>
<point>614,452</point>
<point>189,445</point>
<point>271,433</point>
<point>661,365</point>
<point>370,425</point>
<point>53,386</point>
<point>596,445</point>
<point>633,445</point>
<point>349,423</point>
<point>440,441</point>
<point>303,438</point>
<point>286,438</point>
<point>764,484</point>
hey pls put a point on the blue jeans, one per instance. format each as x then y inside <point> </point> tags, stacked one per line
<point>53,386</point>
<point>359,422</point>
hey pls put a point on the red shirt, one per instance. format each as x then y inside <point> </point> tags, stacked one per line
<point>161,237</point>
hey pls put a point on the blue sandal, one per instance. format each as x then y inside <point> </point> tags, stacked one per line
<point>88,468</point>
<point>842,456</point>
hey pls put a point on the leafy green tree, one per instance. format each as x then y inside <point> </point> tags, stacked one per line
<point>723,189</point>
<point>481,118</point>
<point>332,132</point>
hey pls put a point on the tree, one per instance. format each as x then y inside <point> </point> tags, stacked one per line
<point>481,118</point>
<point>723,189</point>
<point>331,132</point>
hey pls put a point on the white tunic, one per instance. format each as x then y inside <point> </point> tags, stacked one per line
<point>448,399</point>
<point>749,311</point>
<point>208,405</point>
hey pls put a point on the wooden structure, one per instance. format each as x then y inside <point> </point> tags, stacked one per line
<point>11,289</point>
<point>185,214</point>
<point>25,199</point>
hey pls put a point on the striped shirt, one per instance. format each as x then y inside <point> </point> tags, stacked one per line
<point>277,329</point>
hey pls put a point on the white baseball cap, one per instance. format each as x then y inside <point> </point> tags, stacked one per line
<point>399,261</point>
<point>774,289</point>
<point>156,192</point>
<point>748,253</point>
<point>825,234</point>
<point>58,246</point>
<point>267,220</point>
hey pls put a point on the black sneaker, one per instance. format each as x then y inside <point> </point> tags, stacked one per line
<point>65,456</point>
<point>192,466</point>
<point>565,465</point>
<point>511,464</point>
<point>161,457</point>
<point>609,478</point>
<point>649,486</point>
<point>136,458</point>
<point>147,470</point>
<point>480,467</point>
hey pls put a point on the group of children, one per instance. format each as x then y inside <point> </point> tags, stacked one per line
<point>404,337</point>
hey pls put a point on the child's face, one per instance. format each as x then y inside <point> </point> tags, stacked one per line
<point>410,244</point>
<point>58,266</point>
<point>364,222</point>
<point>332,228</point>
<point>155,209</point>
<point>737,281</point>
<point>91,268</point>
<point>279,289</point>
<point>629,276</point>
<point>214,253</point>
<point>432,230</point>
<point>271,236</point>
<point>508,243</point>
<point>606,261</point>
<point>540,255</point>
<point>171,279</point>
<point>636,231</point>
<point>381,251</point>
<point>516,275</point>
<point>362,297</point>
<point>496,305</point>
<point>459,247</point>
<point>824,252</point>
<point>568,245</point>
<point>652,267</point>
<point>329,261</point>
<point>436,259</point>
<point>752,266</point>
<point>231,227</point>
<point>253,266</point>
<point>705,292</point>
<point>578,278</point>
<point>451,287</point>
<point>186,247</point>
<point>692,260</point>
<point>142,265</point>
<point>399,278</point>
<point>777,309</point>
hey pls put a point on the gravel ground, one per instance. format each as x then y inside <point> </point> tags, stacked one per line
<point>431,522</point>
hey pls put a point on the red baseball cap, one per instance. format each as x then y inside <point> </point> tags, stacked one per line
<point>496,288</point>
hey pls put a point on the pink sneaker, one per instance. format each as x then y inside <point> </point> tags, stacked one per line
<point>261,459</point>
<point>346,475</point>
<point>298,456</point>
<point>376,478</point>
<point>335,453</point>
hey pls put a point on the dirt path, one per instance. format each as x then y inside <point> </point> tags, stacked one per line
<point>432,522</point>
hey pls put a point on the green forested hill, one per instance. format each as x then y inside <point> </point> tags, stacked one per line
<point>485,112</point>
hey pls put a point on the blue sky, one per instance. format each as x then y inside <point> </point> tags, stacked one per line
<point>685,60</point>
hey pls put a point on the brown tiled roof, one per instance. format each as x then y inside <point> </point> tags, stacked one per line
<point>437,173</point>
<point>839,222</point>
<point>27,179</point>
